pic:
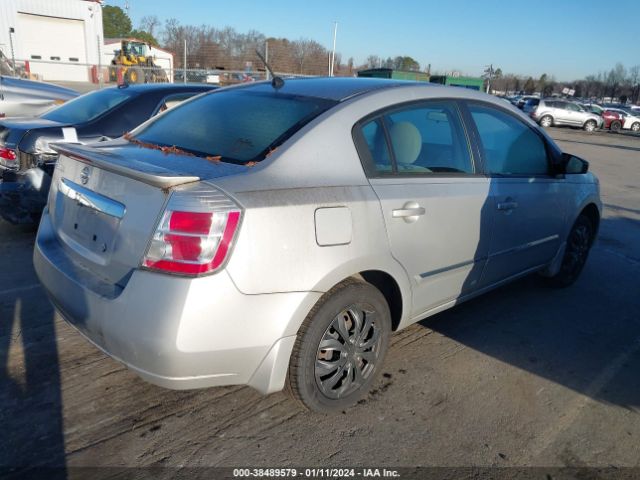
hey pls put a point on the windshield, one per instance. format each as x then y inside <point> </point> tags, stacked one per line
<point>88,106</point>
<point>239,126</point>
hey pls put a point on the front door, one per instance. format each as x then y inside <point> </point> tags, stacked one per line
<point>528,203</point>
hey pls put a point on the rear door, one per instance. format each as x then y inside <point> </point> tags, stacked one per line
<point>575,114</point>
<point>529,204</point>
<point>434,202</point>
<point>561,115</point>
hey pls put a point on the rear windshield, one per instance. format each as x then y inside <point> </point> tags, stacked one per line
<point>238,125</point>
<point>89,106</point>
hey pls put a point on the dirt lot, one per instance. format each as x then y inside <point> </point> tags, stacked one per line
<point>522,376</point>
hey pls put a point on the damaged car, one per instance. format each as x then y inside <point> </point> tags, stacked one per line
<point>27,160</point>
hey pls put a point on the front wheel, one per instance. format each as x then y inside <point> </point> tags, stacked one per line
<point>340,347</point>
<point>576,252</point>
<point>590,126</point>
<point>635,127</point>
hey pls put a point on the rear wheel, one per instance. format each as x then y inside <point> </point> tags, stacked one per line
<point>546,121</point>
<point>615,126</point>
<point>340,347</point>
<point>576,252</point>
<point>635,127</point>
<point>590,125</point>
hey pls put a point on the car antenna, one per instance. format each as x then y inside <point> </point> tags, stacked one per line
<point>276,81</point>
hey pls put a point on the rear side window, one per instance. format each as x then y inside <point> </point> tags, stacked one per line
<point>424,139</point>
<point>373,133</point>
<point>88,106</point>
<point>237,125</point>
<point>510,147</point>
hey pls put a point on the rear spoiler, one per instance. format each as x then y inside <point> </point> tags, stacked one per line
<point>143,172</point>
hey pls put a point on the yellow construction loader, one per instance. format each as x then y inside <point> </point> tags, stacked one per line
<point>132,64</point>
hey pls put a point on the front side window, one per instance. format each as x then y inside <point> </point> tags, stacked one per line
<point>424,139</point>
<point>510,146</point>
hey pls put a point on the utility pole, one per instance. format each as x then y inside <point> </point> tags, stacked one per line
<point>99,62</point>
<point>13,56</point>
<point>333,53</point>
<point>267,75</point>
<point>184,64</point>
<point>489,73</point>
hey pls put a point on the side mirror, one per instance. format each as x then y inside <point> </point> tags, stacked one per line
<point>572,164</point>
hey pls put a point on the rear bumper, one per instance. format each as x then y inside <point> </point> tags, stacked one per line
<point>176,332</point>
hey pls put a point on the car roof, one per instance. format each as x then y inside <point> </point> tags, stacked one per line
<point>156,87</point>
<point>338,89</point>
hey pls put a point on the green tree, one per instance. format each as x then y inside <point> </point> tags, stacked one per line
<point>529,86</point>
<point>115,22</point>
<point>144,36</point>
<point>405,63</point>
<point>542,83</point>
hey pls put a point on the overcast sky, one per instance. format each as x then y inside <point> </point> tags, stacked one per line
<point>565,38</point>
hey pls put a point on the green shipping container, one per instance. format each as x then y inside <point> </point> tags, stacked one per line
<point>474,83</point>
<point>394,74</point>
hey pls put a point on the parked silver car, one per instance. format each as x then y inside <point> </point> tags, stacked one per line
<point>27,98</point>
<point>277,235</point>
<point>551,111</point>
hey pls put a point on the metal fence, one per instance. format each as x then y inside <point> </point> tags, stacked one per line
<point>86,76</point>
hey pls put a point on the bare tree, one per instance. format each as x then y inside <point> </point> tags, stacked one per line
<point>634,82</point>
<point>373,61</point>
<point>150,24</point>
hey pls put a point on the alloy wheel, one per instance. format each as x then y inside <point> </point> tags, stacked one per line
<point>348,352</point>
<point>578,248</point>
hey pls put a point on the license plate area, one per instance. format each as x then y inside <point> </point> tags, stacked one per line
<point>93,230</point>
<point>88,220</point>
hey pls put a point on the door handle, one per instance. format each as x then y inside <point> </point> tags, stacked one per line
<point>409,212</point>
<point>508,205</point>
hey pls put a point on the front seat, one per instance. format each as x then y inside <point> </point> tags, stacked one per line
<point>407,144</point>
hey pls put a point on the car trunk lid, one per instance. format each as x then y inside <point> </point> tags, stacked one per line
<point>105,203</point>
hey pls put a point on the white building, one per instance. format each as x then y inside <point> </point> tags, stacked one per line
<point>58,39</point>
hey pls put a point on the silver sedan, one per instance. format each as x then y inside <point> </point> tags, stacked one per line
<point>276,234</point>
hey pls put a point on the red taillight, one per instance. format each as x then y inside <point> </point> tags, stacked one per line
<point>192,243</point>
<point>8,157</point>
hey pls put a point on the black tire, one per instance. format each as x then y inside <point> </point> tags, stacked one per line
<point>312,369</point>
<point>546,121</point>
<point>590,126</point>
<point>135,75</point>
<point>579,243</point>
<point>635,127</point>
<point>615,126</point>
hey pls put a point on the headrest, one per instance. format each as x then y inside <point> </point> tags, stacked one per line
<point>407,142</point>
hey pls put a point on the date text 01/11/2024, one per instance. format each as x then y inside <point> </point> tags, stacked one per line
<point>315,473</point>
